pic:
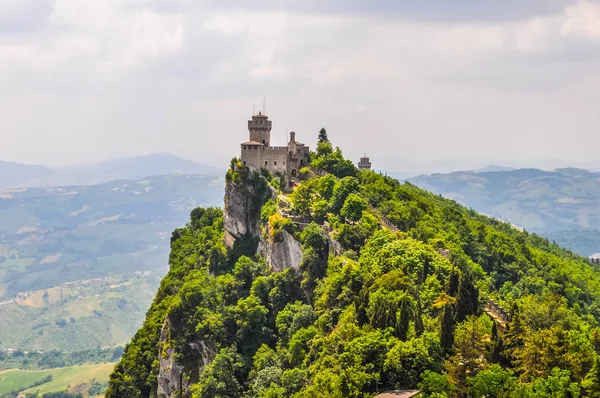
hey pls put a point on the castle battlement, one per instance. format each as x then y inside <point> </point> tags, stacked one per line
<point>257,153</point>
<point>276,148</point>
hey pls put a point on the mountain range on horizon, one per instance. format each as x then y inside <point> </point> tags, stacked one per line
<point>561,204</point>
<point>18,175</point>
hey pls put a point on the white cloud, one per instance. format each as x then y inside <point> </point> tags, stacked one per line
<point>119,77</point>
<point>582,21</point>
<point>116,32</point>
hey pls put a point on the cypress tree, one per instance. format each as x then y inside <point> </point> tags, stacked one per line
<point>447,336</point>
<point>453,284</point>
<point>323,135</point>
<point>467,302</point>
<point>362,301</point>
<point>497,354</point>
<point>403,318</point>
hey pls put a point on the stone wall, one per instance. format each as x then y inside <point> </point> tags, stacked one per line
<point>496,310</point>
<point>274,159</point>
<point>297,160</point>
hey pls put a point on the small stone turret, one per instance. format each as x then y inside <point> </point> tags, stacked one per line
<point>292,146</point>
<point>365,162</point>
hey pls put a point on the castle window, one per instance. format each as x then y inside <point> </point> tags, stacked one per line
<point>266,163</point>
<point>301,162</point>
<point>274,163</point>
<point>284,162</point>
<point>263,142</point>
<point>244,162</point>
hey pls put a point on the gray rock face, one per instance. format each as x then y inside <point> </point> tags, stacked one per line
<point>282,254</point>
<point>169,373</point>
<point>240,217</point>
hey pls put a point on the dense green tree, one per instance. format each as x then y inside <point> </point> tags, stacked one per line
<point>315,252</point>
<point>251,320</point>
<point>471,341</point>
<point>332,161</point>
<point>220,378</point>
<point>353,207</point>
<point>591,383</point>
<point>495,382</point>
<point>436,385</point>
<point>343,188</point>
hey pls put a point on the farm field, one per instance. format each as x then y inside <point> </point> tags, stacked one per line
<point>75,379</point>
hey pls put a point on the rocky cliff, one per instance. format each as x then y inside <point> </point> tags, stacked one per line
<point>241,211</point>
<point>241,218</point>
<point>241,222</point>
<point>171,374</point>
<point>284,252</point>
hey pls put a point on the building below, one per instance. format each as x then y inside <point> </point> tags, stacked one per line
<point>365,163</point>
<point>399,394</point>
<point>257,152</point>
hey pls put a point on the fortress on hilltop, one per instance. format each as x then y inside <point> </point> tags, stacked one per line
<point>258,153</point>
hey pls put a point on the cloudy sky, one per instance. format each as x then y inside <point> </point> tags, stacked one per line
<point>415,84</point>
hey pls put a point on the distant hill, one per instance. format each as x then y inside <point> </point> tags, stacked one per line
<point>15,175</point>
<point>78,253</point>
<point>494,168</point>
<point>546,202</point>
<point>406,175</point>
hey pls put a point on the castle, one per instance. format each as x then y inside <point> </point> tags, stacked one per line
<point>257,153</point>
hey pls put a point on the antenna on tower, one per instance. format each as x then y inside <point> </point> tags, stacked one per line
<point>264,105</point>
<point>253,109</point>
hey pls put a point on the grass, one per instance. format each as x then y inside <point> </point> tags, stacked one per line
<point>84,306</point>
<point>62,378</point>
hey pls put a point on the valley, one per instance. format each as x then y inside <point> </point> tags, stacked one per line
<point>78,264</point>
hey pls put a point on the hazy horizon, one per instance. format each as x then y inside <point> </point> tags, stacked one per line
<point>447,166</point>
<point>427,87</point>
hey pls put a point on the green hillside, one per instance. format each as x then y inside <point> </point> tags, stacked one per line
<point>77,316</point>
<point>563,204</point>
<point>376,302</point>
<point>88,255</point>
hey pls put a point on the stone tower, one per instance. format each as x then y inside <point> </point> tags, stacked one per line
<point>260,129</point>
<point>365,163</point>
<point>258,153</point>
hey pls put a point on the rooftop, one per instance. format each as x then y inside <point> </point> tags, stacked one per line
<point>399,394</point>
<point>252,143</point>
